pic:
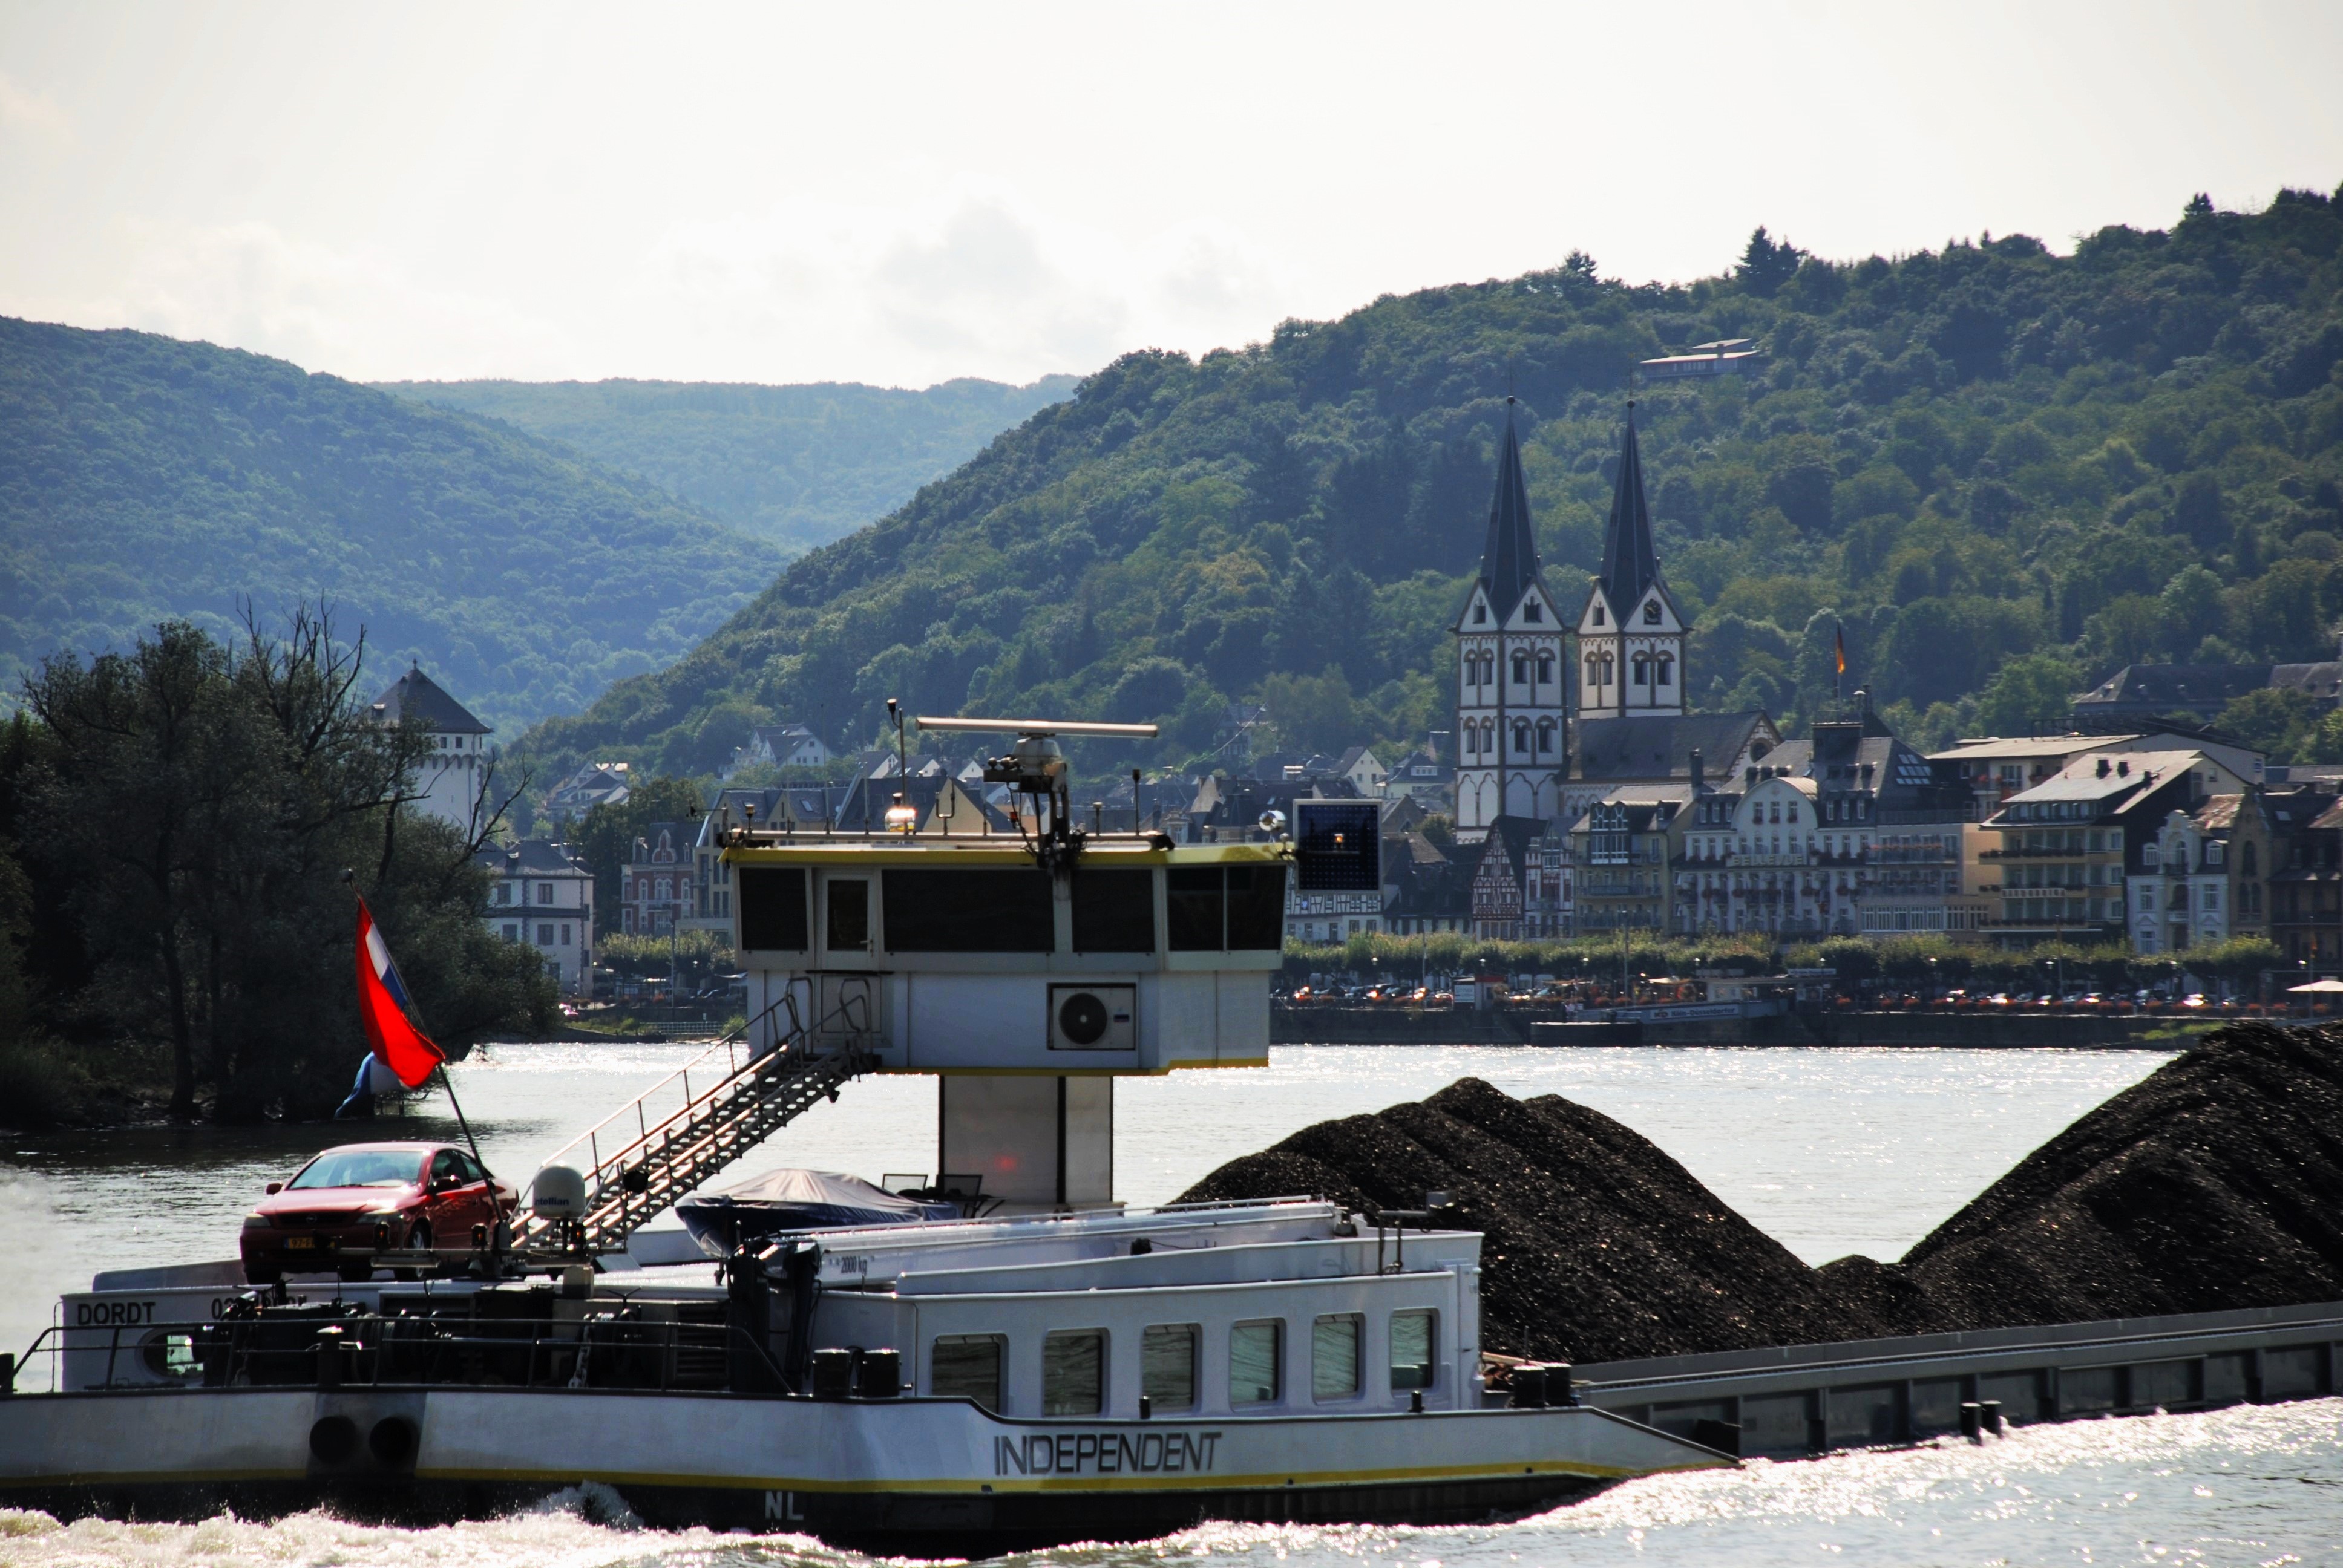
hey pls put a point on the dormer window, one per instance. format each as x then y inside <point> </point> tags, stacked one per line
<point>1651,612</point>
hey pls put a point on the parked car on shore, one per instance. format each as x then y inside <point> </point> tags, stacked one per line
<point>360,1199</point>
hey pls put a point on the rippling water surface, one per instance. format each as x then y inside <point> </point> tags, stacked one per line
<point>1832,1151</point>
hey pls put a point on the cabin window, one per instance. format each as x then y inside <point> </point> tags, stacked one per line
<point>1253,1363</point>
<point>935,911</point>
<point>966,1366</point>
<point>1212,909</point>
<point>1115,911</point>
<point>1074,1371</point>
<point>1410,1350</point>
<point>847,919</point>
<point>1191,902</point>
<point>1334,1357</point>
<point>773,909</point>
<point>1256,907</point>
<point>1167,1366</point>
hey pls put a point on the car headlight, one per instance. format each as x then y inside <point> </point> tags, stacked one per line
<point>256,1222</point>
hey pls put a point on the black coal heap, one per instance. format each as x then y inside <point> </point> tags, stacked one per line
<point>2217,1181</point>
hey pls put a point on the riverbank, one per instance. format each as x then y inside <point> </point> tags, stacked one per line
<point>1329,1025</point>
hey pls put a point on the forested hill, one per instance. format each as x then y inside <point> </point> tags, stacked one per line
<point>142,478</point>
<point>2005,471</point>
<point>797,466</point>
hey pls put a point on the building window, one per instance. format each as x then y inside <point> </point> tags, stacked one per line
<point>1479,615</point>
<point>1521,669</point>
<point>545,892</point>
<point>1643,666</point>
<point>1545,669</point>
<point>965,1366</point>
<point>1334,1357</point>
<point>1521,737</point>
<point>545,934</point>
<point>1663,668</point>
<point>2250,868</point>
<point>1533,611</point>
<point>565,936</point>
<point>1074,1371</point>
<point>1167,1366</point>
<point>504,892</point>
<point>1598,614</point>
<point>512,931</point>
<point>1253,1363</point>
<point>1546,738</point>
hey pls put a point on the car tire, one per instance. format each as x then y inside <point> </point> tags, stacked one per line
<point>418,1235</point>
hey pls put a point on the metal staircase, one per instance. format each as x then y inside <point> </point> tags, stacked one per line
<point>683,1136</point>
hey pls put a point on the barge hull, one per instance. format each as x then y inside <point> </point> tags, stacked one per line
<point>852,1472</point>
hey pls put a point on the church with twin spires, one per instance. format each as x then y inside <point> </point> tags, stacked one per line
<point>1543,731</point>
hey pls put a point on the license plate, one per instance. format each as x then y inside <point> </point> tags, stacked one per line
<point>300,1242</point>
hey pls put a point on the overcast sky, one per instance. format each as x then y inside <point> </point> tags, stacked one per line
<point>900,193</point>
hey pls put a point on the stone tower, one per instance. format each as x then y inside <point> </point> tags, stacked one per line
<point>1631,638</point>
<point>1511,669</point>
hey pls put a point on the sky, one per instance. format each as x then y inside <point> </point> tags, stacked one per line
<point>907,192</point>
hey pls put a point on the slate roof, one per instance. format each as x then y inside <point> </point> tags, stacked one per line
<point>1661,746</point>
<point>2204,688</point>
<point>1509,559</point>
<point>416,694</point>
<point>532,857</point>
<point>1631,562</point>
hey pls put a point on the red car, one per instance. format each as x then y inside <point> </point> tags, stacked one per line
<point>350,1202</point>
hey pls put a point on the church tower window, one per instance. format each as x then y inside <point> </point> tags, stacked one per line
<point>1479,615</point>
<point>1545,669</point>
<point>1643,670</point>
<point>1651,612</point>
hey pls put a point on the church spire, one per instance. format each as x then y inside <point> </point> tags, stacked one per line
<point>1631,566</point>
<point>1509,560</point>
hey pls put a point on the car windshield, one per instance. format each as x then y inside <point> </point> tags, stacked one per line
<point>361,1168</point>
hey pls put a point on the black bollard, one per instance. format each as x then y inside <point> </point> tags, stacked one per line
<point>1972,1421</point>
<point>1989,1416</point>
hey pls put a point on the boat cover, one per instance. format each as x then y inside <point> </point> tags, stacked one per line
<point>783,1201</point>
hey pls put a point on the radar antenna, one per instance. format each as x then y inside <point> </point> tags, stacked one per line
<point>1036,766</point>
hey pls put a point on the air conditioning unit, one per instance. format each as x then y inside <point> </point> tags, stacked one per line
<point>1093,1018</point>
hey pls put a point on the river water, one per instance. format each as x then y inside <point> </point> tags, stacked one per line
<point>1832,1151</point>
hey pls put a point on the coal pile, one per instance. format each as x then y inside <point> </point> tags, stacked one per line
<point>1597,1245</point>
<point>2215,1183</point>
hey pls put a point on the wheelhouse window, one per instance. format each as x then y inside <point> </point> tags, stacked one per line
<point>1253,1369</point>
<point>966,1366</point>
<point>1167,1366</point>
<point>1412,1338</point>
<point>1115,911</point>
<point>846,906</point>
<point>1074,1371</point>
<point>1237,908</point>
<point>1334,1357</point>
<point>969,911</point>
<point>773,909</point>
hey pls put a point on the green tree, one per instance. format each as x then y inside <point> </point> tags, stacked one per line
<point>196,809</point>
<point>2280,720</point>
<point>2030,695</point>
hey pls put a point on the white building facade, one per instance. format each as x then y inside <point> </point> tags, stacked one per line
<point>1511,706</point>
<point>543,895</point>
<point>452,776</point>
